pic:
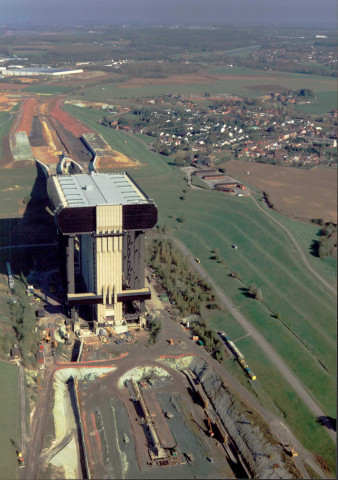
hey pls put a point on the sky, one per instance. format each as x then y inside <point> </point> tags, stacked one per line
<point>149,12</point>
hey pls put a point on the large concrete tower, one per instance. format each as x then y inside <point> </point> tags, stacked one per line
<point>101,219</point>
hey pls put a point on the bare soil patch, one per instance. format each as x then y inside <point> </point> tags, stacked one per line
<point>116,160</point>
<point>25,117</point>
<point>302,194</point>
<point>68,122</point>
<point>11,86</point>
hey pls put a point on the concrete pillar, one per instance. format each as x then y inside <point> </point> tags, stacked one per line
<point>70,264</point>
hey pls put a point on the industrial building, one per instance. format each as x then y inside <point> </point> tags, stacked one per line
<point>20,71</point>
<point>101,222</point>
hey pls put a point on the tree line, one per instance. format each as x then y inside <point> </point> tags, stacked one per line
<point>185,289</point>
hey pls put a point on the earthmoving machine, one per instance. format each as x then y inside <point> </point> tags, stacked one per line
<point>20,459</point>
<point>171,341</point>
<point>47,336</point>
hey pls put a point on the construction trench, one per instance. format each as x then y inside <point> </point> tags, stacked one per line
<point>174,418</point>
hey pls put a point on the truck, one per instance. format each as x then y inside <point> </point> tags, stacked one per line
<point>201,343</point>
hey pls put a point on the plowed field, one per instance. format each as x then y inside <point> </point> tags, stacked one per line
<point>303,194</point>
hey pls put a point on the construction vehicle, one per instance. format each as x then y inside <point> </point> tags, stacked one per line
<point>289,450</point>
<point>171,341</point>
<point>197,260</point>
<point>20,459</point>
<point>47,336</point>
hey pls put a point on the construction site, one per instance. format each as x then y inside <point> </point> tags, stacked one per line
<point>42,131</point>
<point>120,409</point>
<point>148,422</point>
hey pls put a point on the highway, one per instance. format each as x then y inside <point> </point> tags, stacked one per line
<point>268,350</point>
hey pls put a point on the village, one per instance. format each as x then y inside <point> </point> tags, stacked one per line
<point>202,131</point>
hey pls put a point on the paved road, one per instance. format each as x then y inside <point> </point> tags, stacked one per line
<point>300,252</point>
<point>273,356</point>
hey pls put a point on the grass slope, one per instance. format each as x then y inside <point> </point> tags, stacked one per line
<point>9,419</point>
<point>6,120</point>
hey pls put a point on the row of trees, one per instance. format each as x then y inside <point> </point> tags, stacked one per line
<point>183,286</point>
<point>328,240</point>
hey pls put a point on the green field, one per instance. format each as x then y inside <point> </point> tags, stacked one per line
<point>9,420</point>
<point>305,234</point>
<point>46,89</point>
<point>325,102</point>
<point>324,87</point>
<point>264,256</point>
<point>6,120</point>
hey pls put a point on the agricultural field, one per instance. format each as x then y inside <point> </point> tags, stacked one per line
<point>237,81</point>
<point>46,89</point>
<point>10,419</point>
<point>303,194</point>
